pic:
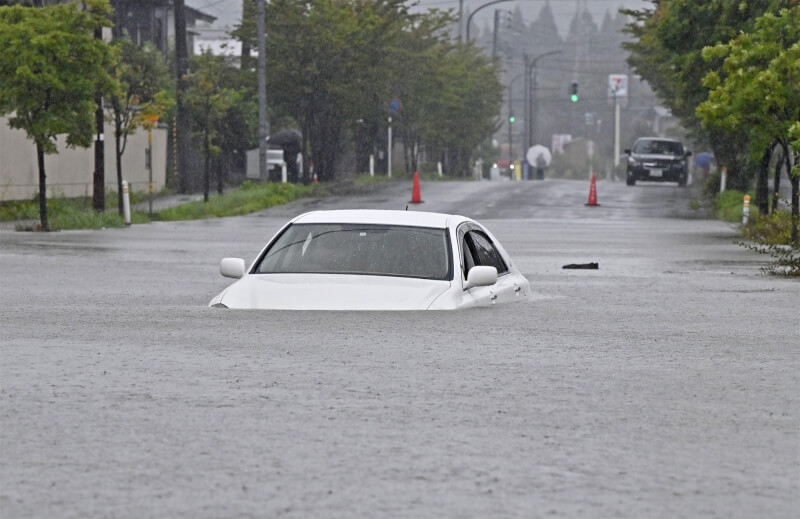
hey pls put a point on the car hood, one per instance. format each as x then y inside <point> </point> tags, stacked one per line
<point>330,292</point>
<point>655,156</point>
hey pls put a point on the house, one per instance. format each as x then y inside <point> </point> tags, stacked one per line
<point>154,21</point>
<point>70,172</point>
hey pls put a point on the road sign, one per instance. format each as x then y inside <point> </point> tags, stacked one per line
<point>395,106</point>
<point>617,86</point>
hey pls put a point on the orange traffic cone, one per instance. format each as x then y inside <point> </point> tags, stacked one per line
<point>593,193</point>
<point>415,196</point>
<point>315,178</point>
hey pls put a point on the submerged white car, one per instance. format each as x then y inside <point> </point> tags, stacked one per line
<point>375,260</point>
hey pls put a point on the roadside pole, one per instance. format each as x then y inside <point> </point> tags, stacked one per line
<point>746,210</point>
<point>126,203</point>
<point>389,152</point>
<point>616,131</point>
<point>150,171</point>
<point>263,131</point>
<point>723,179</point>
<point>617,88</point>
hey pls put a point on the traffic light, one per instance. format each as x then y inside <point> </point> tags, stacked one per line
<point>574,92</point>
<point>511,118</point>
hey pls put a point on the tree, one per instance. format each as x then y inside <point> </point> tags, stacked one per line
<point>469,114</point>
<point>668,55</point>
<point>757,91</point>
<point>207,100</point>
<point>416,78</point>
<point>51,67</point>
<point>139,71</point>
<point>332,63</point>
<point>326,59</point>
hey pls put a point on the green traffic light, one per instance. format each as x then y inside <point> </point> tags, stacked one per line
<point>574,98</point>
<point>512,119</point>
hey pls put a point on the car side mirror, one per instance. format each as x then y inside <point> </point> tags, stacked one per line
<point>232,267</point>
<point>688,153</point>
<point>628,152</point>
<point>481,276</point>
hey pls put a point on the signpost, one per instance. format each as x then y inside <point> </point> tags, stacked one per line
<point>618,90</point>
<point>152,120</point>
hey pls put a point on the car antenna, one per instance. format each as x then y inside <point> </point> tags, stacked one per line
<point>406,207</point>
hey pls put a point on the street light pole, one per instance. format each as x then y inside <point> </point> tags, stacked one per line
<point>510,112</point>
<point>530,66</point>
<point>469,19</point>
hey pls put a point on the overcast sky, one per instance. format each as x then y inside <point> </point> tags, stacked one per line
<point>228,12</point>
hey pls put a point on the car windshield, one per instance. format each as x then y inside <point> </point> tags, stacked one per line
<point>384,250</point>
<point>658,148</point>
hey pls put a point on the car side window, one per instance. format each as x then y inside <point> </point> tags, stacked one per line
<point>484,252</point>
<point>468,257</point>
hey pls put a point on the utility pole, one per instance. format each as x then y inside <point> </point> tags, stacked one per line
<point>527,108</point>
<point>99,191</point>
<point>183,126</point>
<point>263,129</point>
<point>244,62</point>
<point>460,19</point>
<point>494,35</point>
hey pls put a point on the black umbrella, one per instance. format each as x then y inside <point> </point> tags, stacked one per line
<point>284,137</point>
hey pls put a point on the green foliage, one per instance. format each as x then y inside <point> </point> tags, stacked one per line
<point>247,199</point>
<point>451,94</point>
<point>668,54</point>
<point>771,235</point>
<point>65,214</point>
<point>77,213</point>
<point>19,210</point>
<point>52,66</point>
<point>757,88</point>
<point>208,100</point>
<point>728,206</point>
<point>139,73</point>
<point>333,62</point>
<point>773,228</point>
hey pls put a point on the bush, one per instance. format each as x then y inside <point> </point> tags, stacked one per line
<point>728,206</point>
<point>76,213</point>
<point>771,235</point>
<point>249,198</point>
<point>62,214</point>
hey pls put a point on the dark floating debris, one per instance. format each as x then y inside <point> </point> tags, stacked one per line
<point>587,266</point>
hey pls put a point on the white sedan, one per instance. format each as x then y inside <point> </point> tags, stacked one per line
<point>375,260</point>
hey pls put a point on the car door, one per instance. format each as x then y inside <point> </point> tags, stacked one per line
<point>477,248</point>
<point>473,296</point>
<point>506,288</point>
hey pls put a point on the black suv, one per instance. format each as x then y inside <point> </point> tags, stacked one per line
<point>657,159</point>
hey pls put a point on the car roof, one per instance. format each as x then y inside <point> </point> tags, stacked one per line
<point>381,217</point>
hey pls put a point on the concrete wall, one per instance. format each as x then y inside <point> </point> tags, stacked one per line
<point>70,172</point>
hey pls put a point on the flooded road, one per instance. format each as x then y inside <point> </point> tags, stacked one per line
<point>663,384</point>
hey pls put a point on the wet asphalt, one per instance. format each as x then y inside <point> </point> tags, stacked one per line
<point>663,384</point>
